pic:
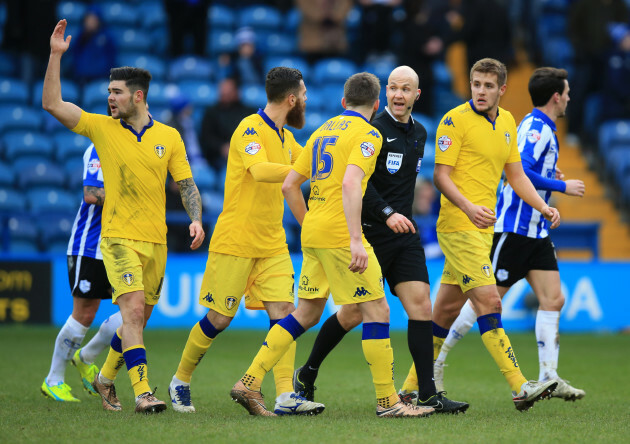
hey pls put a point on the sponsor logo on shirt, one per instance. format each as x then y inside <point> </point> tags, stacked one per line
<point>160,150</point>
<point>361,291</point>
<point>374,133</point>
<point>448,122</point>
<point>208,298</point>
<point>444,142</point>
<point>394,161</point>
<point>304,285</point>
<point>252,148</point>
<point>367,149</point>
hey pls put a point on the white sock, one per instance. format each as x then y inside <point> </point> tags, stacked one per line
<point>175,382</point>
<point>462,325</point>
<point>102,339</point>
<point>282,397</point>
<point>67,343</point>
<point>548,339</point>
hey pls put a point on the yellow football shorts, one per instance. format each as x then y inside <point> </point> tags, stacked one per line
<point>228,278</point>
<point>325,271</point>
<point>134,265</point>
<point>467,262</point>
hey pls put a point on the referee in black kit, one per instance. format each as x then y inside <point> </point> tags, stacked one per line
<point>390,229</point>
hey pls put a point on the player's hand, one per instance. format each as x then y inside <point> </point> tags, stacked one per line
<point>196,232</point>
<point>481,217</point>
<point>552,215</point>
<point>359,257</point>
<point>58,44</point>
<point>575,187</point>
<point>399,224</point>
<point>559,174</point>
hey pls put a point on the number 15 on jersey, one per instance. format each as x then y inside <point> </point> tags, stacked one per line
<point>322,159</point>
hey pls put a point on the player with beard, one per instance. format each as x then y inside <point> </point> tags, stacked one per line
<point>136,153</point>
<point>248,250</point>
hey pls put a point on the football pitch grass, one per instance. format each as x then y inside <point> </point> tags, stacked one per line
<point>599,364</point>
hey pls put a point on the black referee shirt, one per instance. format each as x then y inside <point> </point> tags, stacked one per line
<point>394,178</point>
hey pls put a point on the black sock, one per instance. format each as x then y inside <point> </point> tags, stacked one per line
<point>328,337</point>
<point>420,340</point>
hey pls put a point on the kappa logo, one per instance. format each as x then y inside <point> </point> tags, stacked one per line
<point>128,278</point>
<point>208,298</point>
<point>250,132</point>
<point>375,134</point>
<point>230,302</point>
<point>160,150</point>
<point>486,270</point>
<point>361,291</point>
<point>448,122</point>
<point>467,279</point>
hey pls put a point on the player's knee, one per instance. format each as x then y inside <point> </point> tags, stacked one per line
<point>219,321</point>
<point>349,317</point>
<point>553,302</point>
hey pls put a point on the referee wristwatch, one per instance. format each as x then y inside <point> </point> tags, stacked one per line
<point>386,213</point>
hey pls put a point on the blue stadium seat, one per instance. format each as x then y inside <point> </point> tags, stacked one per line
<point>442,74</point>
<point>72,11</point>
<point>119,13</point>
<point>95,93</point>
<point>200,93</point>
<point>315,101</point>
<point>613,132</point>
<point>23,247</point>
<point>155,65</point>
<point>220,42</point>
<point>69,91</point>
<point>560,6</point>
<point>292,20</point>
<point>289,62</point>
<point>353,19</point>
<point>22,227</point>
<point>74,173</point>
<point>332,92</point>
<point>160,94</point>
<point>212,203</point>
<point>57,200</point>
<point>7,64</point>
<point>277,43</point>
<point>254,96</point>
<point>381,69</point>
<point>618,161</point>
<point>11,201</point>
<point>551,26</point>
<point>221,17</point>
<point>429,124</point>
<point>13,91</point>
<point>26,143</point>
<point>7,176</point>
<point>69,145</point>
<point>131,39</point>
<point>333,70</point>
<point>56,228</point>
<point>260,17</point>
<point>191,68</point>
<point>152,14</point>
<point>314,120</point>
<point>558,52</point>
<point>41,175</point>
<point>161,113</point>
<point>205,177</point>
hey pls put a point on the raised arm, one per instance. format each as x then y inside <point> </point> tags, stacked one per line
<point>67,113</point>
<point>192,203</point>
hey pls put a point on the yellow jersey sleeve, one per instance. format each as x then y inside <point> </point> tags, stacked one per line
<point>249,146</point>
<point>365,150</point>
<point>178,164</point>
<point>88,124</point>
<point>303,163</point>
<point>448,139</point>
<point>515,155</point>
<point>296,152</point>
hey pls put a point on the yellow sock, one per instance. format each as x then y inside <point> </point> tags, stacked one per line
<point>276,344</point>
<point>379,354</point>
<point>196,347</point>
<point>437,346</point>
<point>283,371</point>
<point>411,382</point>
<point>498,344</point>
<point>137,368</point>
<point>115,360</point>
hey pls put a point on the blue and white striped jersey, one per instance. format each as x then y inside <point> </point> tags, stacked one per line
<point>85,239</point>
<point>538,145</point>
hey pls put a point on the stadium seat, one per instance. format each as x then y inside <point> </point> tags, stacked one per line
<point>613,132</point>
<point>212,203</point>
<point>191,68</point>
<point>74,173</point>
<point>289,62</point>
<point>11,201</point>
<point>22,227</point>
<point>160,94</point>
<point>152,14</point>
<point>332,93</point>
<point>277,43</point>
<point>220,42</point>
<point>42,201</point>
<point>315,101</point>
<point>254,96</point>
<point>558,51</point>
<point>26,143</point>
<point>95,93</point>
<point>69,91</point>
<point>429,124</point>
<point>560,6</point>
<point>69,145</point>
<point>56,228</point>
<point>205,177</point>
<point>13,91</point>
<point>20,118</point>
<point>333,70</point>
<point>72,11</point>
<point>199,92</point>
<point>119,13</point>
<point>618,162</point>
<point>129,39</point>
<point>155,65</point>
<point>381,69</point>
<point>292,20</point>
<point>43,175</point>
<point>23,247</point>
<point>260,17</point>
<point>7,64</point>
<point>221,17</point>
<point>550,26</point>
<point>7,176</point>
<point>161,113</point>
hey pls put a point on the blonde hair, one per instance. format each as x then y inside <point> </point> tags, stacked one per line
<point>491,66</point>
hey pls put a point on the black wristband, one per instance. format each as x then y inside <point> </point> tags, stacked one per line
<point>386,213</point>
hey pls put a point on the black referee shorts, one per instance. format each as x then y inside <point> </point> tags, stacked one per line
<point>514,255</point>
<point>400,255</point>
<point>88,278</point>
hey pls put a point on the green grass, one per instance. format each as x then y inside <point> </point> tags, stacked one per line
<point>598,364</point>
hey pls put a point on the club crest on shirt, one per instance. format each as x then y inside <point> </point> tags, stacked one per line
<point>444,142</point>
<point>230,302</point>
<point>486,270</point>
<point>502,275</point>
<point>394,161</point>
<point>128,278</point>
<point>508,138</point>
<point>159,150</point>
<point>252,148</point>
<point>367,149</point>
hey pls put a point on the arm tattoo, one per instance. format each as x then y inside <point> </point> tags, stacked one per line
<point>190,198</point>
<point>97,193</point>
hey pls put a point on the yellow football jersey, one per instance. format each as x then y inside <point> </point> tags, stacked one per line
<point>343,140</point>
<point>250,224</point>
<point>134,173</point>
<point>478,150</point>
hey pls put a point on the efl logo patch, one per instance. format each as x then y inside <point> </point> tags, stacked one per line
<point>448,122</point>
<point>533,136</point>
<point>230,302</point>
<point>444,142</point>
<point>128,278</point>
<point>486,270</point>
<point>252,148</point>
<point>394,161</point>
<point>93,166</point>
<point>250,132</point>
<point>367,149</point>
<point>160,150</point>
<point>508,138</point>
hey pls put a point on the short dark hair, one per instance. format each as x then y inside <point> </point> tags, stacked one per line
<point>135,78</point>
<point>491,66</point>
<point>282,81</point>
<point>361,89</point>
<point>545,82</point>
